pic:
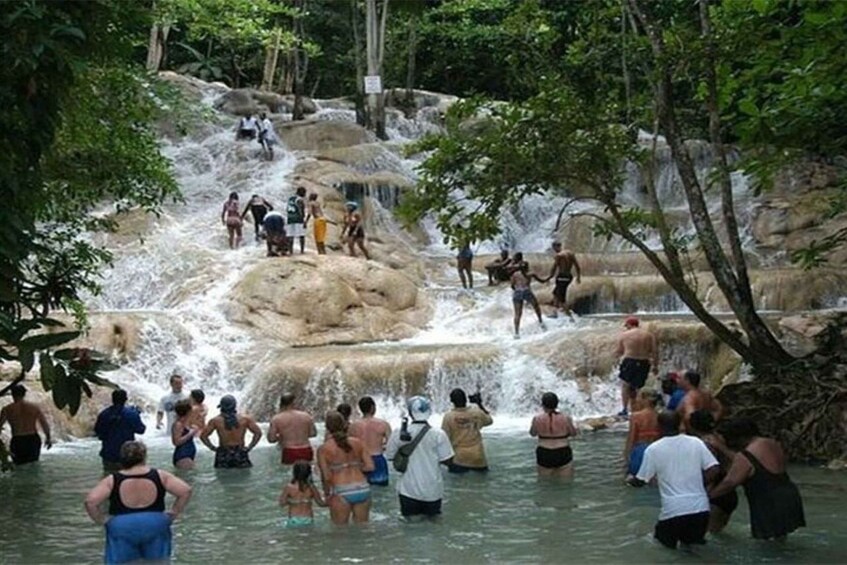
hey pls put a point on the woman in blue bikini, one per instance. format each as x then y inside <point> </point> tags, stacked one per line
<point>299,495</point>
<point>343,462</point>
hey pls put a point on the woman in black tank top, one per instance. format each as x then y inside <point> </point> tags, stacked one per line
<point>116,504</point>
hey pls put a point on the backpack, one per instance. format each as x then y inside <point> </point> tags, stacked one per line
<point>401,458</point>
<point>294,211</point>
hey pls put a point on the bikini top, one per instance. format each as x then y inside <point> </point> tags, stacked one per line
<point>117,506</point>
<point>550,415</point>
<point>345,465</point>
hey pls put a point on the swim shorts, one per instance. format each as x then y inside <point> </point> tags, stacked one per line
<point>414,507</point>
<point>561,289</point>
<point>522,295</point>
<point>290,455</point>
<point>379,476</point>
<point>232,457</point>
<point>319,228</point>
<point>461,469</point>
<point>634,372</point>
<point>299,521</point>
<point>25,448</point>
<point>636,456</point>
<point>553,458</point>
<point>355,493</point>
<point>689,529</point>
<point>138,536</point>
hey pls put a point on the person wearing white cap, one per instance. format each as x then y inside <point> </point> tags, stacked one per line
<point>421,486</point>
<point>231,428</point>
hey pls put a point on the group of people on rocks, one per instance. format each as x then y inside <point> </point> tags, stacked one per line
<point>261,129</point>
<point>281,231</point>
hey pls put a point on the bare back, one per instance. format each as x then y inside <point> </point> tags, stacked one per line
<point>564,261</point>
<point>292,428</point>
<point>373,432</point>
<point>344,467</point>
<point>696,399</point>
<point>520,280</point>
<point>769,453</point>
<point>315,209</point>
<point>23,417</point>
<point>637,343</point>
<point>233,437</point>
<point>552,429</point>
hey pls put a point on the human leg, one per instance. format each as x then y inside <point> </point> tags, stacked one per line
<point>302,244</point>
<point>518,304</point>
<point>339,510</point>
<point>361,243</point>
<point>534,303</point>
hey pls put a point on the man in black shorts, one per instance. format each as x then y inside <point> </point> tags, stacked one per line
<point>564,262</point>
<point>639,351</point>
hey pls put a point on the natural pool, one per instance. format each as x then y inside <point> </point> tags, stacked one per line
<point>505,516</point>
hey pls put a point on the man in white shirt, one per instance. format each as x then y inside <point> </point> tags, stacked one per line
<point>421,487</point>
<point>683,466</point>
<point>267,136</point>
<point>168,402</point>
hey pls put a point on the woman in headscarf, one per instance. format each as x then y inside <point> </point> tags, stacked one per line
<point>343,462</point>
<point>137,525</point>
<point>231,428</point>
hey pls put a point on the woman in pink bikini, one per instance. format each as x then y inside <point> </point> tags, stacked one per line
<point>231,218</point>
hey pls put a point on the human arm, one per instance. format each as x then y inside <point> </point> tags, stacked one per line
<point>577,269</point>
<point>444,449</point>
<point>223,221</point>
<point>255,430</point>
<point>533,430</point>
<point>654,354</point>
<point>179,489</point>
<point>630,438</point>
<point>365,457</point>
<point>326,472</point>
<point>3,418</point>
<point>739,472</point>
<point>283,496</point>
<point>316,494</point>
<point>138,426</point>
<point>207,431</point>
<point>483,415</point>
<point>246,208</point>
<point>97,496</point>
<point>646,472</point>
<point>273,435</point>
<point>716,409</point>
<point>313,431</point>
<point>619,351</point>
<point>178,438</point>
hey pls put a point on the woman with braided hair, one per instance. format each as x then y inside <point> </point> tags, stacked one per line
<point>343,462</point>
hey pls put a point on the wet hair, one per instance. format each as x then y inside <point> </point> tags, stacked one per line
<point>557,245</point>
<point>367,405</point>
<point>669,423</point>
<point>313,196</point>
<point>517,257</point>
<point>198,396</point>
<point>233,196</point>
<point>345,410</point>
<point>693,377</point>
<point>287,399</point>
<point>301,191</point>
<point>182,408</point>
<point>336,426</point>
<point>702,421</point>
<point>174,377</point>
<point>738,432</point>
<point>301,474</point>
<point>458,398</point>
<point>549,400</point>
<point>119,397</point>
<point>132,453</point>
<point>631,322</point>
<point>18,391</point>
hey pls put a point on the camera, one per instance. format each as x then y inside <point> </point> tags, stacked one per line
<point>475,398</point>
<point>404,431</point>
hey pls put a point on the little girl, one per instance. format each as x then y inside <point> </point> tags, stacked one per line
<point>298,496</point>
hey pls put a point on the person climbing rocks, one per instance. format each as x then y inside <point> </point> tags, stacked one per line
<point>354,231</point>
<point>498,270</point>
<point>464,264</point>
<point>24,417</point>
<point>296,211</point>
<point>248,128</point>
<point>319,224</point>
<point>258,208</point>
<point>522,293</point>
<point>564,261</point>
<point>231,218</point>
<point>275,237</point>
<point>639,351</point>
<point>267,136</point>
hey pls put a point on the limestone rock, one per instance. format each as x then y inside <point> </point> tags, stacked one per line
<point>396,97</point>
<point>314,300</point>
<point>312,135</point>
<point>243,101</point>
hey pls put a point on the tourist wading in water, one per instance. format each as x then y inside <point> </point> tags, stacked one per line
<point>292,428</point>
<point>168,403</point>
<point>319,224</point>
<point>182,436</point>
<point>258,208</point>
<point>374,433</point>
<point>553,429</point>
<point>696,399</point>
<point>776,508</point>
<point>643,430</point>
<point>354,231</point>
<point>702,425</point>
<point>299,495</point>
<point>24,417</point>
<point>462,426</point>
<point>639,351</point>
<point>343,461</point>
<point>198,409</point>
<point>231,429</point>
<point>564,261</point>
<point>231,218</point>
<point>137,525</point>
<point>248,128</point>
<point>522,293</point>
<point>115,426</point>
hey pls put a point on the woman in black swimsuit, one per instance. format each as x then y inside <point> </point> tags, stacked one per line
<point>355,232</point>
<point>553,429</point>
<point>258,208</point>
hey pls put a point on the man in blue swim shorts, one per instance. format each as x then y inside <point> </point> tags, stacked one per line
<point>374,433</point>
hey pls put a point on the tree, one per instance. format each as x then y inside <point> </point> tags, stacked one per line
<point>376,16</point>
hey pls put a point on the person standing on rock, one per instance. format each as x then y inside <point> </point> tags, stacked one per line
<point>639,352</point>
<point>24,417</point>
<point>168,403</point>
<point>115,426</point>
<point>462,426</point>
<point>292,428</point>
<point>354,231</point>
<point>275,238</point>
<point>258,208</point>
<point>296,211</point>
<point>374,433</point>
<point>464,264</point>
<point>248,127</point>
<point>231,428</point>
<point>267,136</point>
<point>522,293</point>
<point>320,222</point>
<point>553,455</point>
<point>564,261</point>
<point>231,218</point>
<point>696,399</point>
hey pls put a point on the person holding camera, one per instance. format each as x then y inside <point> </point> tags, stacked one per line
<point>116,425</point>
<point>462,425</point>
<point>424,449</point>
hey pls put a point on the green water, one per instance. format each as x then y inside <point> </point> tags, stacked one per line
<point>506,516</point>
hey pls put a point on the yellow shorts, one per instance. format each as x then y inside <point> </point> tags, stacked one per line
<point>320,230</point>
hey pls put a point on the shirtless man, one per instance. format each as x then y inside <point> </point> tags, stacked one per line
<point>498,270</point>
<point>639,352</point>
<point>563,262</point>
<point>374,433</point>
<point>696,399</point>
<point>231,428</point>
<point>292,429</point>
<point>24,417</point>
<point>198,409</point>
<point>315,211</point>
<point>521,292</point>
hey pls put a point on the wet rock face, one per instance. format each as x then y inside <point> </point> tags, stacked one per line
<point>318,300</point>
<point>244,101</point>
<point>317,135</point>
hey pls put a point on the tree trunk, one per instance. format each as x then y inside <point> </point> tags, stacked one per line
<point>624,66</point>
<point>361,108</point>
<point>156,46</point>
<point>764,351</point>
<point>271,60</point>
<point>301,63</point>
<point>375,41</point>
<point>412,45</point>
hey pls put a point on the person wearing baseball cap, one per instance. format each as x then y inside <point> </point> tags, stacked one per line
<point>231,428</point>
<point>639,352</point>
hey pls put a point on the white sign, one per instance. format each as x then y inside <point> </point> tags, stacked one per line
<point>373,84</point>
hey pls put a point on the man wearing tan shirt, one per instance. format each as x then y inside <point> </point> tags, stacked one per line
<point>462,426</point>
